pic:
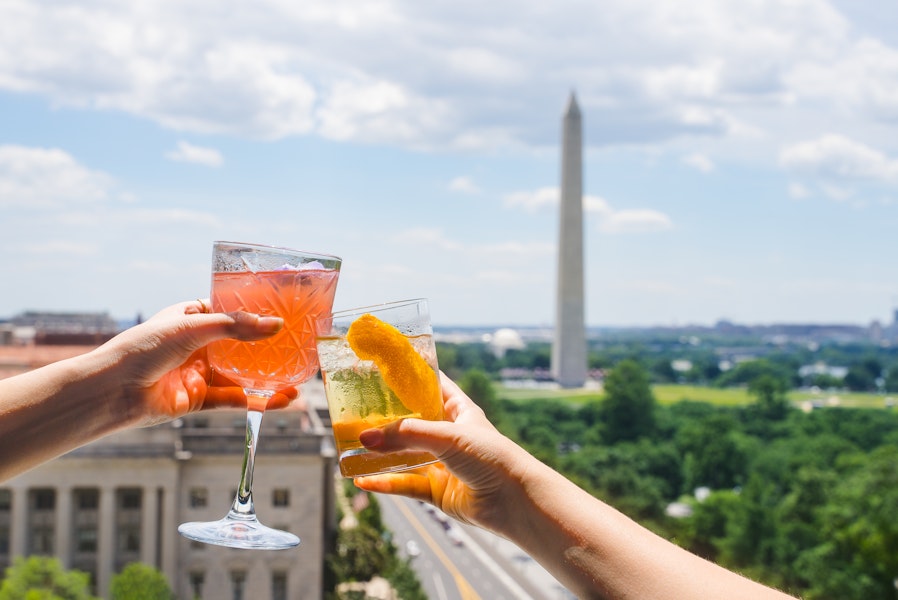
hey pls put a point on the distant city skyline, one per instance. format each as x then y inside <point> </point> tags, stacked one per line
<point>741,159</point>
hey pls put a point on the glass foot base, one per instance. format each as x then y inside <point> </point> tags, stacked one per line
<point>233,533</point>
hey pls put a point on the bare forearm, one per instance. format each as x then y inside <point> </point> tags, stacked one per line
<point>54,409</point>
<point>597,552</point>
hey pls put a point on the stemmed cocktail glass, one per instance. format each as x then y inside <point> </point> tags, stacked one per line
<point>299,287</point>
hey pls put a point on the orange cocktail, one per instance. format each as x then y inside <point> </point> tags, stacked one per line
<point>379,365</point>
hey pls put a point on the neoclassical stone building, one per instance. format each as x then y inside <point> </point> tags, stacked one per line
<point>120,500</point>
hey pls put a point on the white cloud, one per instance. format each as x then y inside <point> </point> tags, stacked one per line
<point>43,178</point>
<point>426,237</point>
<point>445,75</point>
<point>798,191</point>
<point>523,249</point>
<point>699,161</point>
<point>186,152</point>
<point>373,110</point>
<point>636,221</point>
<point>533,200</point>
<point>481,64</point>
<point>464,184</point>
<point>610,220</point>
<point>838,156</point>
<point>861,77</point>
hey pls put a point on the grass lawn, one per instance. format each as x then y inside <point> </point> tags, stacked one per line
<point>668,394</point>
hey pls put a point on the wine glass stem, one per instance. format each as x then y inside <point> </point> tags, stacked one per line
<point>243,503</point>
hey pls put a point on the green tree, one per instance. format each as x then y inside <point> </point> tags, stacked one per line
<point>361,554</point>
<point>44,578</point>
<point>628,410</point>
<point>447,357</point>
<point>714,453</point>
<point>138,581</point>
<point>744,372</point>
<point>705,531</point>
<point>770,392</point>
<point>891,378</point>
<point>859,379</point>
<point>478,386</point>
<point>404,580</point>
<point>860,525</point>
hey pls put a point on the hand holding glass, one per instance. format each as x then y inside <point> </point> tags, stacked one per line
<point>299,287</point>
<point>399,380</point>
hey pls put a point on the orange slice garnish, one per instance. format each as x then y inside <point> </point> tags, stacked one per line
<point>404,370</point>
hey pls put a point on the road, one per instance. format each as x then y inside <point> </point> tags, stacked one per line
<point>451,564</point>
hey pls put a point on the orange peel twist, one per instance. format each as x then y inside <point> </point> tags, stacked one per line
<point>404,370</point>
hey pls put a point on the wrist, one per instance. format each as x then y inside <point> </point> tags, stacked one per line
<point>101,382</point>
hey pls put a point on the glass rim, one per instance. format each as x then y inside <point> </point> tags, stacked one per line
<point>372,308</point>
<point>271,248</point>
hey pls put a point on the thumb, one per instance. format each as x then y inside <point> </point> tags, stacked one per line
<point>243,326</point>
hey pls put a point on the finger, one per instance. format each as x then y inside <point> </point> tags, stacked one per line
<point>411,484</point>
<point>198,306</point>
<point>221,380</point>
<point>282,398</point>
<point>436,437</point>
<point>225,394</point>
<point>224,397</point>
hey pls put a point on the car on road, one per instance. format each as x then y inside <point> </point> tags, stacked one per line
<point>454,535</point>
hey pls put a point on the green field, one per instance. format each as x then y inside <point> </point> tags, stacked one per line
<point>668,394</point>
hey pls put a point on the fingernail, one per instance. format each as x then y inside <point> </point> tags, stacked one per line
<point>371,438</point>
<point>270,324</point>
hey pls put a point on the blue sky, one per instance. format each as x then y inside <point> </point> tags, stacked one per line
<point>741,158</point>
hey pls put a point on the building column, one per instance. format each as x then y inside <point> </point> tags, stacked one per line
<point>106,539</point>
<point>19,525</point>
<point>63,549</point>
<point>149,526</point>
<point>169,537</point>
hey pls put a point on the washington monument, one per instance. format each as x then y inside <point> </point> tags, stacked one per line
<point>569,340</point>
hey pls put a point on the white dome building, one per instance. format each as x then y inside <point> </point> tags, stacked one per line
<point>505,339</point>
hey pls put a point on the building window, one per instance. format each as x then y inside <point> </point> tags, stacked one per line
<point>281,497</point>
<point>199,497</point>
<point>87,499</point>
<point>4,540</point>
<point>85,509</point>
<point>5,500</point>
<point>197,579</point>
<point>86,540</point>
<point>41,540</point>
<point>128,503</point>
<point>43,499</point>
<point>129,540</point>
<point>130,498</point>
<point>41,521</point>
<point>278,585</point>
<point>238,584</point>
